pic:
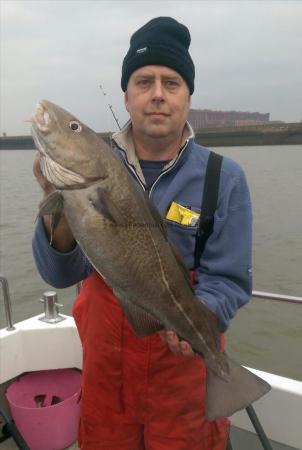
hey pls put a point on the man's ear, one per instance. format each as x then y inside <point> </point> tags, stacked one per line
<point>126,101</point>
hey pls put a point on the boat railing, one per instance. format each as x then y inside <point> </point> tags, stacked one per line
<point>7,303</point>
<point>277,297</point>
<point>255,294</point>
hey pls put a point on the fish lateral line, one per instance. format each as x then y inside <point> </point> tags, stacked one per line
<point>176,303</point>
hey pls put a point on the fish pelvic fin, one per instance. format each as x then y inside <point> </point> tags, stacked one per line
<point>52,204</point>
<point>224,397</point>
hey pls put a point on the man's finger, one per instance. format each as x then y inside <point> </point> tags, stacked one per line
<point>186,349</point>
<point>173,342</point>
<point>171,339</point>
<point>176,346</point>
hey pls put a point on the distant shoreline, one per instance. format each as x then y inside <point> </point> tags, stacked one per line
<point>268,134</point>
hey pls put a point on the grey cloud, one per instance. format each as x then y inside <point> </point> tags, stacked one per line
<point>247,55</point>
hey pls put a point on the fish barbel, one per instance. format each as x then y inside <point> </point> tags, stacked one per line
<point>123,236</point>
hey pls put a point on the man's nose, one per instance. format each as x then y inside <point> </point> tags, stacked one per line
<point>158,91</point>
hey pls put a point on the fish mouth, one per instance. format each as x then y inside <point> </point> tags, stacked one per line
<point>41,118</point>
<point>56,174</point>
<point>36,137</point>
<point>40,127</point>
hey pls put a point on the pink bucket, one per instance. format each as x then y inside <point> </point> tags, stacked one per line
<point>45,406</point>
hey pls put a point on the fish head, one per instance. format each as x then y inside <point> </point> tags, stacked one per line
<point>71,154</point>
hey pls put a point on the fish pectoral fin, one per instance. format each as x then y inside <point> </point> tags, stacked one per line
<point>225,397</point>
<point>143,323</point>
<point>53,204</point>
<point>103,204</point>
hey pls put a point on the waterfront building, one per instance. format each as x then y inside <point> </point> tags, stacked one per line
<point>202,118</point>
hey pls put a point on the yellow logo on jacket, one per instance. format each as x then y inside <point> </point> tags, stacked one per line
<point>184,216</point>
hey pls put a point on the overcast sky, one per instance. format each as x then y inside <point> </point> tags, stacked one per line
<point>247,54</point>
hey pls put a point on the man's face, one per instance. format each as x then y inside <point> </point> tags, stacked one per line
<point>158,101</point>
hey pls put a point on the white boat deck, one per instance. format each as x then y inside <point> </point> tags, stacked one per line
<point>245,440</point>
<point>23,350</point>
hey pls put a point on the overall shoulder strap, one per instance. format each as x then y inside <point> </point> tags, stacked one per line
<point>209,205</point>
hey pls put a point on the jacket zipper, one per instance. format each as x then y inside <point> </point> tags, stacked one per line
<point>132,168</point>
<point>169,168</point>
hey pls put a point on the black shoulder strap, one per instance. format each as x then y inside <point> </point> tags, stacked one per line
<point>209,205</point>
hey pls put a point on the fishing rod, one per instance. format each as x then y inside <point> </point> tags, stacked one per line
<point>110,107</point>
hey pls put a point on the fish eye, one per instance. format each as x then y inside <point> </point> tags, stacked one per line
<point>75,126</point>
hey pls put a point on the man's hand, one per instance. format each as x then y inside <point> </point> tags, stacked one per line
<point>176,346</point>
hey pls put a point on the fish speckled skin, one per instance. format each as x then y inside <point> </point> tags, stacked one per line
<point>124,238</point>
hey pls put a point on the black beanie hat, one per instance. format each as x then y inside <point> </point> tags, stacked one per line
<point>163,42</point>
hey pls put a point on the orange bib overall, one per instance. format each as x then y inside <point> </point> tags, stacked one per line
<point>136,394</point>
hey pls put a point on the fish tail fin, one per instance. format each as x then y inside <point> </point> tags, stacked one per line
<point>224,398</point>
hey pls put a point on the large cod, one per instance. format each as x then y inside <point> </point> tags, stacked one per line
<point>122,234</point>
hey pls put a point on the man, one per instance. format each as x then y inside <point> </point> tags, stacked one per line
<point>148,393</point>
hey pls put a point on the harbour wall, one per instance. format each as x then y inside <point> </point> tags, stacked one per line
<point>270,134</point>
